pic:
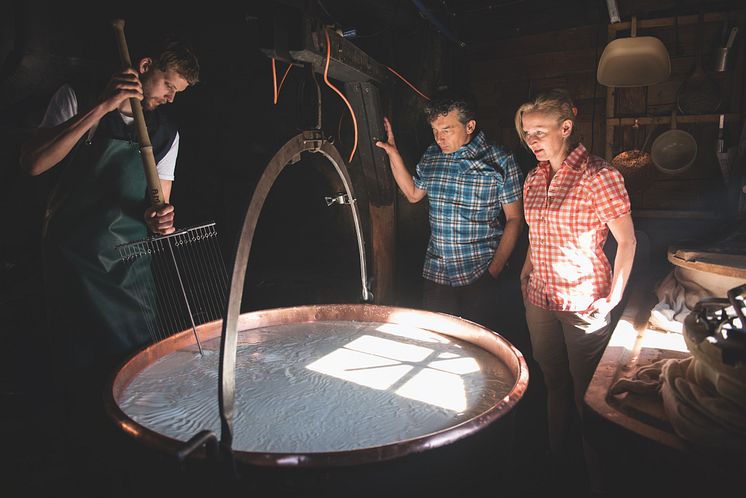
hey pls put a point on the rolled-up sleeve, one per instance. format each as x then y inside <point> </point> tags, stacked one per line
<point>610,198</point>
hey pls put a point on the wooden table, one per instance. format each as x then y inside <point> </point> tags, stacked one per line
<point>634,344</point>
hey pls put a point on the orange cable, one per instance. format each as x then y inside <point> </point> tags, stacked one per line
<point>283,78</point>
<point>326,80</point>
<point>408,83</point>
<point>274,79</point>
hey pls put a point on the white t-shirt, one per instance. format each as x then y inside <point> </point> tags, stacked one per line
<point>64,105</point>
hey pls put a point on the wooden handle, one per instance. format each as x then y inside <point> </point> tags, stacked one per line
<point>155,193</point>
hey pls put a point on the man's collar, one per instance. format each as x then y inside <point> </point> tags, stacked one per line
<point>471,149</point>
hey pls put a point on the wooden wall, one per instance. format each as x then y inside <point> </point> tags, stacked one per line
<point>508,72</point>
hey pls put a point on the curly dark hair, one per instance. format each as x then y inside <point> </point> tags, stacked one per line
<point>449,100</point>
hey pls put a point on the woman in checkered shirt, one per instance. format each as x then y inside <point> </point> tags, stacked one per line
<point>572,199</point>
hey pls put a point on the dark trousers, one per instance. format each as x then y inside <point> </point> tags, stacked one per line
<point>493,303</point>
<point>568,347</point>
<point>473,301</point>
<point>498,305</point>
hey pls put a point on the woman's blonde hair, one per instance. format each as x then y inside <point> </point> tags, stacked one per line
<point>557,103</point>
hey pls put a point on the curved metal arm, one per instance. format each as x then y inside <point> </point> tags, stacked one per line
<point>307,141</point>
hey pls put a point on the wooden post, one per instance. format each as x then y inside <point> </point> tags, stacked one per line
<point>374,187</point>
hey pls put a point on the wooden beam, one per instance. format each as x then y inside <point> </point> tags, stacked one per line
<point>645,120</point>
<point>676,214</point>
<point>347,61</point>
<point>371,160</point>
<point>664,22</point>
<point>383,253</point>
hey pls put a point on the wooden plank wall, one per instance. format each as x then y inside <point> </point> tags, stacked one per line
<point>506,73</point>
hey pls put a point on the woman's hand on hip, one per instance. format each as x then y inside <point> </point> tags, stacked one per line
<point>600,308</point>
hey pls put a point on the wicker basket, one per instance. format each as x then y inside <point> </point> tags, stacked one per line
<point>636,167</point>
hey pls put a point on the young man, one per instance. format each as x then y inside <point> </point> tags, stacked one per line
<point>469,183</point>
<point>88,141</point>
<point>99,200</point>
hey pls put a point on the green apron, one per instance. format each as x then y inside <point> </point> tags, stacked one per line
<point>98,305</point>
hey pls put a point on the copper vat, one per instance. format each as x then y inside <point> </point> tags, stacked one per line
<point>436,455</point>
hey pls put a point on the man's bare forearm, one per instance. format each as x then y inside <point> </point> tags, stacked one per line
<point>403,178</point>
<point>49,146</point>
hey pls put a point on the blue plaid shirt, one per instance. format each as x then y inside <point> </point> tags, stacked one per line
<point>466,190</point>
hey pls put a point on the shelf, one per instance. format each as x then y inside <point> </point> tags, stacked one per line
<point>671,214</point>
<point>664,22</point>
<point>627,108</point>
<point>680,118</point>
<point>722,265</point>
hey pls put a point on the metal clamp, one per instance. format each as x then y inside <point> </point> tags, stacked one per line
<point>314,138</point>
<point>340,198</point>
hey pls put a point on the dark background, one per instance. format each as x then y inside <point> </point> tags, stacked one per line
<point>303,251</point>
<point>230,127</point>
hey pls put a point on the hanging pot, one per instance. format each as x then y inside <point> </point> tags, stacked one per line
<point>634,61</point>
<point>674,151</point>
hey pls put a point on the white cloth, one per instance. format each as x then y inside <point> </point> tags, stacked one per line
<point>698,412</point>
<point>703,408</point>
<point>64,105</point>
<point>671,309</point>
<point>677,296</point>
<point>645,380</point>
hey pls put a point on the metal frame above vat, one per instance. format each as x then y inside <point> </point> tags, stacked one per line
<point>295,37</point>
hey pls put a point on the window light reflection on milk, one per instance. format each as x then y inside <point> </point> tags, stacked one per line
<point>322,387</point>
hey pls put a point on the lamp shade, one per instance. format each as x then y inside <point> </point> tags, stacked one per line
<point>634,61</point>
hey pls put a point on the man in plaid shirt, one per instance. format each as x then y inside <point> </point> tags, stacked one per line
<point>469,183</point>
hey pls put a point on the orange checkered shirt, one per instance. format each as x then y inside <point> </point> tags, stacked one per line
<point>567,229</point>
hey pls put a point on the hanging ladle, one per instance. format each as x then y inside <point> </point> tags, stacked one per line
<point>699,93</point>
